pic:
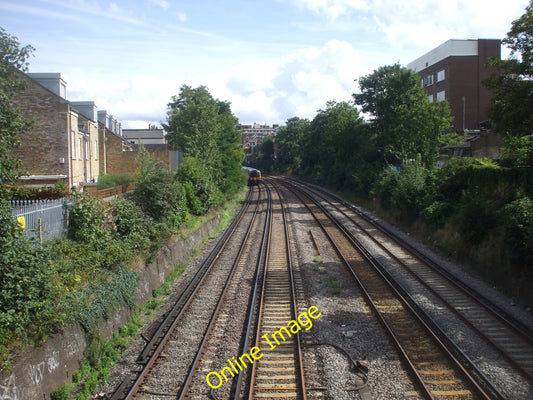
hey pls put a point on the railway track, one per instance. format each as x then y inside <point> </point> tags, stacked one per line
<point>230,327</point>
<point>507,336</point>
<point>279,373</point>
<point>171,350</point>
<point>439,369</point>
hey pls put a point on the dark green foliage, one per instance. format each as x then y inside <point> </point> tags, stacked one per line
<point>289,139</point>
<point>194,124</point>
<point>265,160</point>
<point>231,152</point>
<point>205,129</point>
<point>88,219</point>
<point>101,298</point>
<point>476,216</point>
<point>518,224</point>
<point>157,192</point>
<point>405,123</point>
<point>12,123</point>
<point>512,88</point>
<point>25,285</point>
<point>129,219</point>
<point>201,191</point>
<point>408,190</point>
<point>112,180</point>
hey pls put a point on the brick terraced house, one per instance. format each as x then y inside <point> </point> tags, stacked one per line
<point>69,141</point>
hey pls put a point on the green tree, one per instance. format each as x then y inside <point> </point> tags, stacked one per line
<point>265,160</point>
<point>330,145</point>
<point>404,122</point>
<point>200,189</point>
<point>231,152</point>
<point>12,123</point>
<point>157,191</point>
<point>512,86</point>
<point>194,125</point>
<point>289,139</point>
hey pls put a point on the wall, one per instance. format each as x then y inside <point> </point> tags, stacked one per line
<point>43,147</point>
<point>115,153</point>
<point>43,368</point>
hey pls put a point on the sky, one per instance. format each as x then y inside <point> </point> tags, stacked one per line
<point>272,60</point>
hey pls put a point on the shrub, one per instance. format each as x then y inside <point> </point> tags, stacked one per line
<point>384,187</point>
<point>409,190</point>
<point>112,180</point>
<point>518,225</point>
<point>88,218</point>
<point>201,191</point>
<point>413,189</point>
<point>129,218</point>
<point>25,285</point>
<point>157,192</point>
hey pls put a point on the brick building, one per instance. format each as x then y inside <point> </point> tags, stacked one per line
<point>252,136</point>
<point>455,72</point>
<point>61,144</point>
<point>69,141</point>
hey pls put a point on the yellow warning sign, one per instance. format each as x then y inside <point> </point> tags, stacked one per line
<point>22,222</point>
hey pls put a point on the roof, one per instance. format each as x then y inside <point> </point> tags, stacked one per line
<point>143,133</point>
<point>450,48</point>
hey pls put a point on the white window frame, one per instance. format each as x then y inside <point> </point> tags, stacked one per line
<point>73,144</point>
<point>441,75</point>
<point>441,96</point>
<point>80,155</point>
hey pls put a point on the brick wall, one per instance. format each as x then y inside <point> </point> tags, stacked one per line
<point>44,149</point>
<point>55,145</point>
<point>119,156</point>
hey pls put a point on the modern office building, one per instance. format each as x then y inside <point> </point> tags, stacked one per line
<point>455,72</point>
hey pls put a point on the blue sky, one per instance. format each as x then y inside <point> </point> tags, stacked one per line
<point>271,59</point>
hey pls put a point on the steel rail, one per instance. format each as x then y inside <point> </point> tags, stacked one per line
<point>487,322</point>
<point>127,389</point>
<point>513,323</point>
<point>184,393</point>
<point>237,388</point>
<point>406,302</point>
<point>272,282</point>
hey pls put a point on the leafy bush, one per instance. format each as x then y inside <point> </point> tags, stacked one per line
<point>88,218</point>
<point>201,191</point>
<point>129,218</point>
<point>384,188</point>
<point>112,180</point>
<point>413,189</point>
<point>518,224</point>
<point>157,192</point>
<point>409,190</point>
<point>25,284</point>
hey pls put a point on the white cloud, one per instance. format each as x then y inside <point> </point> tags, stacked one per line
<point>414,23</point>
<point>333,9</point>
<point>161,3</point>
<point>299,85</point>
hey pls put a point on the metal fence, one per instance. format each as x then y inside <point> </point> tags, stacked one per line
<point>41,219</point>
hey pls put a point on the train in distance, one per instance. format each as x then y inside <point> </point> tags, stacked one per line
<point>254,176</point>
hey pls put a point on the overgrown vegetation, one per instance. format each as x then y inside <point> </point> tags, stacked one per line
<point>111,180</point>
<point>90,273</point>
